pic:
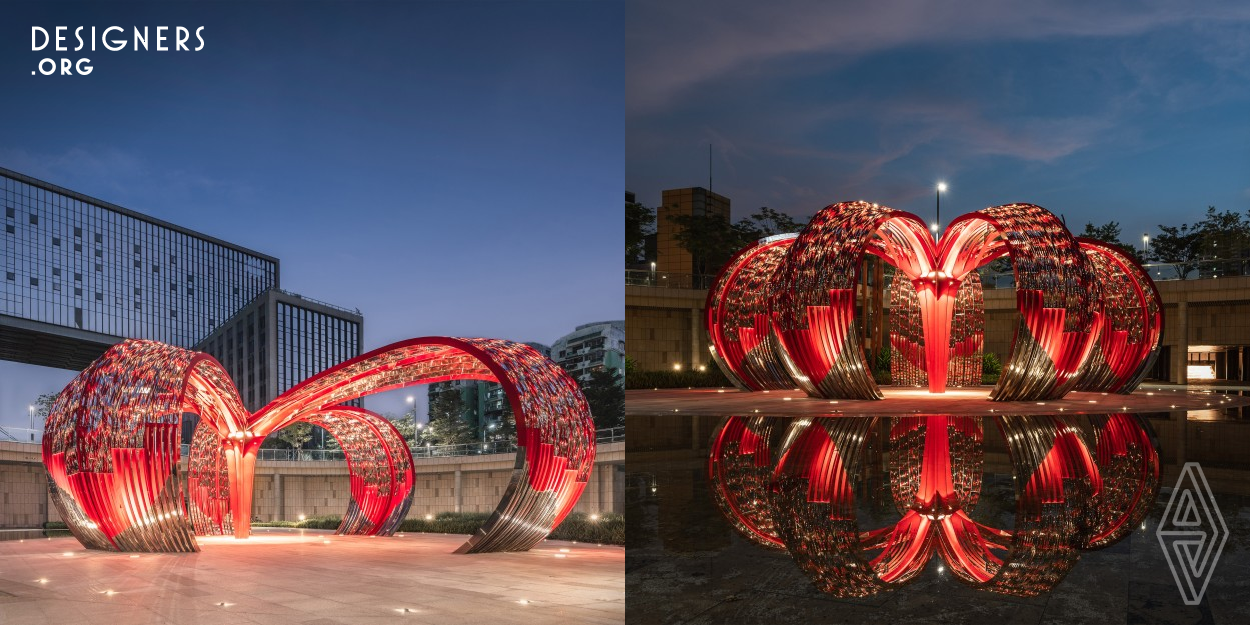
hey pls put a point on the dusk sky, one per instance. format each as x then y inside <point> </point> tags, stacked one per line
<point>447,168</point>
<point>1133,112</point>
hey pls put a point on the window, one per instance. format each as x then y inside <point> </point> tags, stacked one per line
<point>78,291</point>
<point>78,247</point>
<point>138,265</point>
<point>77,276</point>
<point>138,306</point>
<point>99,253</point>
<point>56,271</point>
<point>99,238</point>
<point>34,281</point>
<point>9,275</point>
<point>34,219</point>
<point>173,313</point>
<point>9,229</point>
<point>10,213</point>
<point>156,269</point>
<point>137,248</point>
<point>138,291</point>
<point>78,232</point>
<point>56,241</point>
<point>99,267</point>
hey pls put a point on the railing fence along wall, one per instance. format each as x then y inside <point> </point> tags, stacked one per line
<point>1159,272</point>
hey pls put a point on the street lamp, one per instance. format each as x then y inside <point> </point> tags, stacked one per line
<point>1145,242</point>
<point>653,273</point>
<point>941,188</point>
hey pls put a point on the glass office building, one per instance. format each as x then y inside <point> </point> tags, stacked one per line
<point>280,339</point>
<point>81,274</point>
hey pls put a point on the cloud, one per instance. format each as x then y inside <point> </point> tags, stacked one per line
<point>676,46</point>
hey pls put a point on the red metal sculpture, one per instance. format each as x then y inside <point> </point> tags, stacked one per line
<point>782,312</point>
<point>1068,498</point>
<point>112,442</point>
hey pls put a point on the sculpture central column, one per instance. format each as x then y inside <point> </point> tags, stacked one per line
<point>936,293</point>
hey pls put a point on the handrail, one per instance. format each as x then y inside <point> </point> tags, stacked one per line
<point>606,435</point>
<point>1160,272</point>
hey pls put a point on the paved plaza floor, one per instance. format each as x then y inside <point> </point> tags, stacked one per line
<point>311,577</point>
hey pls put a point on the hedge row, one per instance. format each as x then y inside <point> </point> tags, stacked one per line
<point>712,377</point>
<point>607,529</point>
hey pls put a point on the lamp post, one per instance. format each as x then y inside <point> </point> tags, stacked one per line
<point>941,188</point>
<point>30,410</point>
<point>653,273</point>
<point>1145,243</point>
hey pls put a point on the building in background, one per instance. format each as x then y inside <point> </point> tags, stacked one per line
<point>82,274</point>
<point>591,346</point>
<point>280,339</point>
<point>671,258</point>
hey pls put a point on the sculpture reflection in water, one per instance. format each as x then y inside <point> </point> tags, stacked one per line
<point>798,484</point>
<point>782,312</point>
<point>112,438</point>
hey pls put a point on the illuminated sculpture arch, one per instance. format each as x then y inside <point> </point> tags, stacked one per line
<point>781,314</point>
<point>112,442</point>
<point>800,492</point>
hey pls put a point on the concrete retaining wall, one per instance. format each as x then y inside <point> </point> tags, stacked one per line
<point>285,490</point>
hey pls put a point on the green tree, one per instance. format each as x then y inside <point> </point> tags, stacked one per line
<point>766,223</point>
<point>43,406</point>
<point>639,222</point>
<point>1110,233</point>
<point>447,423</point>
<point>712,240</point>
<point>296,434</point>
<point>1181,246</point>
<point>1225,235</point>
<point>605,392</point>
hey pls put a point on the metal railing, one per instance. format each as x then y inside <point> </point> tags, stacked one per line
<point>643,277</point>
<point>606,435</point>
<point>1159,272</point>
<point>21,435</point>
<point>317,301</point>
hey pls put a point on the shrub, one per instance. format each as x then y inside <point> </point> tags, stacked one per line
<point>991,365</point>
<point>607,529</point>
<point>710,378</point>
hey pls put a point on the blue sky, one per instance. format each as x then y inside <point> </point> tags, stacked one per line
<point>1133,112</point>
<point>448,168</point>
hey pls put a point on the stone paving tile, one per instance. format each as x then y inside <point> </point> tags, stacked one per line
<point>281,578</point>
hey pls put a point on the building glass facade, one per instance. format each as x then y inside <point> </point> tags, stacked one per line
<point>281,339</point>
<point>80,263</point>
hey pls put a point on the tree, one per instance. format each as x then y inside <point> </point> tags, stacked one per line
<point>1110,233</point>
<point>43,406</point>
<point>766,223</point>
<point>605,392</point>
<point>639,222</point>
<point>1181,246</point>
<point>712,240</point>
<point>1225,235</point>
<point>296,434</point>
<point>447,423</point>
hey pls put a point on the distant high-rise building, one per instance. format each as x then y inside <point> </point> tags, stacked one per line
<point>591,346</point>
<point>671,258</point>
